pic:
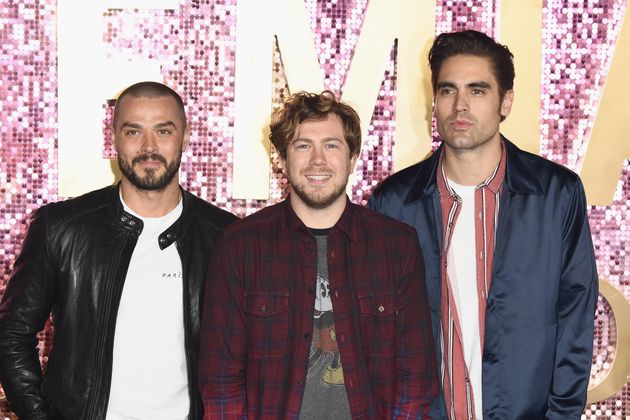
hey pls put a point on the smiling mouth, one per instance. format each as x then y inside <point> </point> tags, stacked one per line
<point>318,177</point>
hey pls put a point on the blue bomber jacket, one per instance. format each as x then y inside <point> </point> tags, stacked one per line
<point>540,310</point>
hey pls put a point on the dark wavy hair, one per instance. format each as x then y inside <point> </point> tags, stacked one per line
<point>304,106</point>
<point>473,43</point>
<point>150,90</point>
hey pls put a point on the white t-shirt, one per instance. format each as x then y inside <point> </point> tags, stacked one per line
<point>462,272</point>
<point>149,375</point>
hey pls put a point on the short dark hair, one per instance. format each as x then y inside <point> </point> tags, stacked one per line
<point>150,90</point>
<point>303,106</point>
<point>475,43</point>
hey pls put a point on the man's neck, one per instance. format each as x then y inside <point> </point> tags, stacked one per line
<point>472,166</point>
<point>318,218</point>
<point>148,203</point>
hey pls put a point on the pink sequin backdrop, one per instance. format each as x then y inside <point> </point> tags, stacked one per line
<point>197,42</point>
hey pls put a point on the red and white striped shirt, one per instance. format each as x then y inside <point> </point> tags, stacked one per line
<point>458,393</point>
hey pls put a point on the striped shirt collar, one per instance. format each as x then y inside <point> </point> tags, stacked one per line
<point>493,182</point>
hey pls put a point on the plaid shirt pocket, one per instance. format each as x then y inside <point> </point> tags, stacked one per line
<point>267,323</point>
<point>378,312</point>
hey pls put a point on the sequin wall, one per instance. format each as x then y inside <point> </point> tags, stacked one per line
<point>196,43</point>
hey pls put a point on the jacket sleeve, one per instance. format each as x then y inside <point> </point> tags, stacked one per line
<point>222,356</point>
<point>416,377</point>
<point>576,311</point>
<point>24,309</point>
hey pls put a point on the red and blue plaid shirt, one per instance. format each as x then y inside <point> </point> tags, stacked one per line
<point>257,318</point>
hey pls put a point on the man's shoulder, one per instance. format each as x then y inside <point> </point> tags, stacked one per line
<point>374,222</point>
<point>414,177</point>
<point>79,206</point>
<point>543,169</point>
<point>263,220</point>
<point>209,213</point>
<point>403,178</point>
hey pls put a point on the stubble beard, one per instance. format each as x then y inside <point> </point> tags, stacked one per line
<point>316,200</point>
<point>150,181</point>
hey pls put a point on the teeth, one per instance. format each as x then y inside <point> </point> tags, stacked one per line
<point>318,177</point>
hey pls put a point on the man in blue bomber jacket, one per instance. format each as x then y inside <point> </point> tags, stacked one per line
<point>122,270</point>
<point>509,260</point>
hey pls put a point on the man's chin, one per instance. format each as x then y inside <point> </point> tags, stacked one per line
<point>319,201</point>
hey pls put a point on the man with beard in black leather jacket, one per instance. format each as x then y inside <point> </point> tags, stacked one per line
<point>122,271</point>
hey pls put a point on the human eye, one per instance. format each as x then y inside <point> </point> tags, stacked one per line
<point>164,132</point>
<point>131,132</point>
<point>444,91</point>
<point>478,91</point>
<point>301,145</point>
<point>333,145</point>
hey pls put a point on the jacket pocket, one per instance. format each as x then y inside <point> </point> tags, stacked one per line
<point>378,311</point>
<point>267,323</point>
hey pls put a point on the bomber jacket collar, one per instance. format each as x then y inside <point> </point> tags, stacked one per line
<point>166,238</point>
<point>520,177</point>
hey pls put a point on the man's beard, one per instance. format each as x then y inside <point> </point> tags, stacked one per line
<point>316,201</point>
<point>149,181</point>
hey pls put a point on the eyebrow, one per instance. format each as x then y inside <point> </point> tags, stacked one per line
<point>158,126</point>
<point>445,84</point>
<point>166,124</point>
<point>129,125</point>
<point>481,85</point>
<point>326,139</point>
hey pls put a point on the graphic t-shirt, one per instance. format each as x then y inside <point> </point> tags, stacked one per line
<point>324,392</point>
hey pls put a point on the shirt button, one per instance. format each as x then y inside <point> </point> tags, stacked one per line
<point>491,413</point>
<point>332,254</point>
<point>342,338</point>
<point>307,336</point>
<point>263,308</point>
<point>488,357</point>
<point>311,291</point>
<point>336,294</point>
<point>132,222</point>
<point>381,308</point>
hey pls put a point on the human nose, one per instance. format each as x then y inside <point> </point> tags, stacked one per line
<point>149,144</point>
<point>317,156</point>
<point>461,103</point>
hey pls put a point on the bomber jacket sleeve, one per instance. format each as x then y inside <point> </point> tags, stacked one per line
<point>576,310</point>
<point>222,357</point>
<point>24,309</point>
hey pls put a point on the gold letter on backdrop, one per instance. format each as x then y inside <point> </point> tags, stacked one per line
<point>413,24</point>
<point>619,372</point>
<point>609,144</point>
<point>85,81</point>
<point>256,24</point>
<point>524,120</point>
<point>410,21</point>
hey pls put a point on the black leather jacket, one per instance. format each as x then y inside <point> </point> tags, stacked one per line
<point>73,262</point>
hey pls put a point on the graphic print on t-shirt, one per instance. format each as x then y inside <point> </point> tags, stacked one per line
<point>324,360</point>
<point>324,391</point>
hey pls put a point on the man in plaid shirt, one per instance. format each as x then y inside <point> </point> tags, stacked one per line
<point>316,308</point>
